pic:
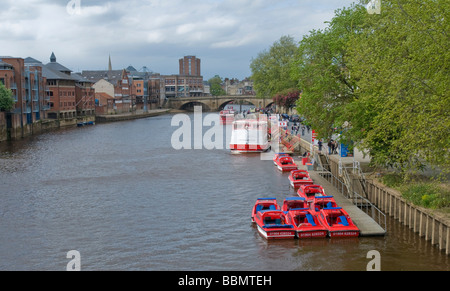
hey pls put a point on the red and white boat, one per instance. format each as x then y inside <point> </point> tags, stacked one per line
<point>338,222</point>
<point>264,204</point>
<point>285,164</point>
<point>249,136</point>
<point>227,116</point>
<point>279,155</point>
<point>321,202</point>
<point>300,177</point>
<point>272,224</point>
<point>310,191</point>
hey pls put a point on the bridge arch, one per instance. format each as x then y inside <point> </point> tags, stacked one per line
<point>236,102</point>
<point>189,106</point>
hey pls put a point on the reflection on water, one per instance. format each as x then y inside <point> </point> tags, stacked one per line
<point>126,200</point>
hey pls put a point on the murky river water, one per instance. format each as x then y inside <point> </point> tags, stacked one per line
<point>126,200</point>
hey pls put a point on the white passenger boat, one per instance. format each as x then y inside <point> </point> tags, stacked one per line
<point>249,136</point>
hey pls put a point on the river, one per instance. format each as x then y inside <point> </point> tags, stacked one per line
<point>125,199</point>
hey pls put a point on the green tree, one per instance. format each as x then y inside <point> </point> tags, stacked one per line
<point>216,86</point>
<point>401,63</point>
<point>6,99</point>
<point>271,70</point>
<point>321,68</point>
<point>383,80</point>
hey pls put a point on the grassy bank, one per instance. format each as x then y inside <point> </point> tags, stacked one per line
<point>421,191</point>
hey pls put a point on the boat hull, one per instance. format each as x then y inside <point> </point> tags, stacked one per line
<point>299,183</point>
<point>275,234</point>
<point>287,168</point>
<point>247,148</point>
<point>343,233</point>
<point>306,234</point>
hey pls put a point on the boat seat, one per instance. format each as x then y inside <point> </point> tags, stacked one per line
<point>310,219</point>
<point>342,220</point>
<point>272,221</point>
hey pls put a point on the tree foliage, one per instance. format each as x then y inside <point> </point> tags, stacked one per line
<point>6,99</point>
<point>322,71</point>
<point>287,98</point>
<point>271,69</point>
<point>385,76</point>
<point>216,86</point>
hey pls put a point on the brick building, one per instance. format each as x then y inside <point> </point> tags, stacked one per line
<point>190,66</point>
<point>28,84</point>
<point>188,83</point>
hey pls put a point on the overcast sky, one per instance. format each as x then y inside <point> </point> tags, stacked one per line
<point>224,34</point>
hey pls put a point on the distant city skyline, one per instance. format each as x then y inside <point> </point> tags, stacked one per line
<point>224,34</point>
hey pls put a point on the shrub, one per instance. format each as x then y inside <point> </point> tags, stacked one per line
<point>427,195</point>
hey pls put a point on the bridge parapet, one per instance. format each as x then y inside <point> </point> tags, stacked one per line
<point>216,103</point>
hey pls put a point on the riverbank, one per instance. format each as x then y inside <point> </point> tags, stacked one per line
<point>351,176</point>
<point>46,125</point>
<point>38,127</point>
<point>130,116</point>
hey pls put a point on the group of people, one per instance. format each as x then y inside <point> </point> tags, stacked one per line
<point>332,147</point>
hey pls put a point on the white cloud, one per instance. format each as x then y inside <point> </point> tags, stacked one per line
<point>155,33</point>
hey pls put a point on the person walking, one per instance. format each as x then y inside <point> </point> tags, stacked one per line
<point>330,146</point>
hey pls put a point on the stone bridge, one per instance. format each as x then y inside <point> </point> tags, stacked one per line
<point>216,103</point>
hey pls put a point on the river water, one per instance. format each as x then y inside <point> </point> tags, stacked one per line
<point>125,199</point>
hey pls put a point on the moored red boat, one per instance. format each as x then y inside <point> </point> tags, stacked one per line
<point>264,204</point>
<point>272,224</point>
<point>320,202</point>
<point>286,164</point>
<point>306,223</point>
<point>299,177</point>
<point>293,203</point>
<point>310,191</point>
<point>279,155</point>
<point>338,222</point>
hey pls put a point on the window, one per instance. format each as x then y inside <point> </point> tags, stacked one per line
<point>190,66</point>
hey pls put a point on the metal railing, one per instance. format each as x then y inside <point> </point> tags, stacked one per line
<point>362,203</point>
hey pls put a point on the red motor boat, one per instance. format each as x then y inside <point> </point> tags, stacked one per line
<point>264,204</point>
<point>279,155</point>
<point>300,177</point>
<point>310,191</point>
<point>286,164</point>
<point>320,202</point>
<point>338,222</point>
<point>306,223</point>
<point>293,203</point>
<point>272,224</point>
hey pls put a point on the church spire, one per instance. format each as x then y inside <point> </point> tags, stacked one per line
<point>53,58</point>
<point>109,64</point>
